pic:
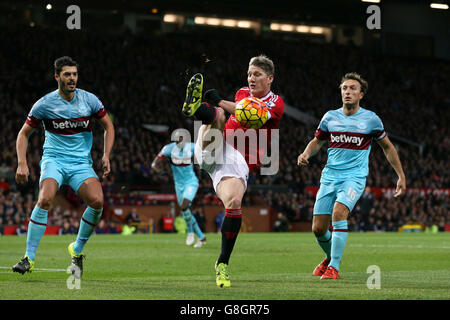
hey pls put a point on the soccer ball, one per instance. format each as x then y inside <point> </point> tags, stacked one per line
<point>251,112</point>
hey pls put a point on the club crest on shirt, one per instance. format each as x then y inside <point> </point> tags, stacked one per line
<point>362,125</point>
<point>270,104</point>
<point>83,110</point>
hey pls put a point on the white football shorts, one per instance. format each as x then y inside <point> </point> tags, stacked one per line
<point>229,162</point>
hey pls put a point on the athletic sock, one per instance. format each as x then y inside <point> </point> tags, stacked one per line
<point>206,113</point>
<point>197,229</point>
<point>230,229</point>
<point>89,221</point>
<point>36,229</point>
<point>325,243</point>
<point>188,218</point>
<point>339,238</point>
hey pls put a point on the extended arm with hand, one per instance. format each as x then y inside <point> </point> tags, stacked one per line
<point>21,149</point>
<point>394,160</point>
<point>311,149</point>
<point>212,97</point>
<point>108,143</point>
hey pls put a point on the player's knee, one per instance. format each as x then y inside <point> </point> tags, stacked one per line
<point>340,213</point>
<point>221,118</point>
<point>44,202</point>
<point>96,202</point>
<point>319,230</point>
<point>219,122</point>
<point>234,202</point>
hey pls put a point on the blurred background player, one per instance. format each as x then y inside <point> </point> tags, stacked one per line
<point>180,155</point>
<point>350,131</point>
<point>230,177</point>
<point>66,114</point>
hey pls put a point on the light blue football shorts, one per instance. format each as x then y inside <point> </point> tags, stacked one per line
<point>186,191</point>
<point>66,173</point>
<point>345,192</point>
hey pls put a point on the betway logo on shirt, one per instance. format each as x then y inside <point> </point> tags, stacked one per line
<point>68,126</point>
<point>343,138</point>
<point>71,124</point>
<point>349,140</point>
<point>181,161</point>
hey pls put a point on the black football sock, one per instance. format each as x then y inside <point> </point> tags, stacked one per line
<point>230,229</point>
<point>206,113</point>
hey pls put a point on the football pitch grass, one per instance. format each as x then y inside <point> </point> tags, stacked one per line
<point>264,266</point>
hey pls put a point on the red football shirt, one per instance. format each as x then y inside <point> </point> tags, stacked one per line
<point>254,157</point>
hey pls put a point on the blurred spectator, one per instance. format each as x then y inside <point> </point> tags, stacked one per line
<point>67,228</point>
<point>128,229</point>
<point>219,220</point>
<point>365,203</point>
<point>101,228</point>
<point>151,226</point>
<point>133,216</point>
<point>112,227</point>
<point>370,226</point>
<point>379,227</point>
<point>180,224</point>
<point>432,228</point>
<point>167,222</point>
<point>391,226</point>
<point>281,224</point>
<point>21,230</point>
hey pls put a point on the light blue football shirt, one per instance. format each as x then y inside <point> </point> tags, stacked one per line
<point>68,125</point>
<point>349,142</point>
<point>180,162</point>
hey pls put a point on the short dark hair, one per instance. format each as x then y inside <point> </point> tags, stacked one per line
<point>64,61</point>
<point>357,77</point>
<point>264,63</point>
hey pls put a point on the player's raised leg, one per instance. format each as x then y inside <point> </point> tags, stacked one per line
<point>193,98</point>
<point>231,191</point>
<point>37,224</point>
<point>193,105</point>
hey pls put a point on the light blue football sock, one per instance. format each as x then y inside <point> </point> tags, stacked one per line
<point>91,217</point>
<point>197,229</point>
<point>325,243</point>
<point>36,229</point>
<point>187,215</point>
<point>339,238</point>
<point>192,223</point>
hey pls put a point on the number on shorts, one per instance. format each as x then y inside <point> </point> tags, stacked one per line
<point>351,193</point>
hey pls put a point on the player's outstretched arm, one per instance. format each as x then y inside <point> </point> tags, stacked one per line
<point>212,97</point>
<point>108,143</point>
<point>21,149</point>
<point>394,160</point>
<point>311,149</point>
<point>157,164</point>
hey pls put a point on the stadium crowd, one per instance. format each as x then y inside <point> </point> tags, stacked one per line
<point>141,80</point>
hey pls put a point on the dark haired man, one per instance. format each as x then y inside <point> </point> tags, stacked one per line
<point>350,131</point>
<point>67,115</point>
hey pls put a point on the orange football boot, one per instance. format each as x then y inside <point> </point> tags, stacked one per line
<point>330,273</point>
<point>321,268</point>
